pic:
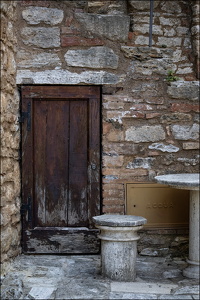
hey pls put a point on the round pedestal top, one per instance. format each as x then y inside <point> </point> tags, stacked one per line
<point>188,181</point>
<point>119,220</point>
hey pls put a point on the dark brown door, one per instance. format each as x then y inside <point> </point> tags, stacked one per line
<point>60,168</point>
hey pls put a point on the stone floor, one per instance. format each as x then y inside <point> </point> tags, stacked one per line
<point>79,277</point>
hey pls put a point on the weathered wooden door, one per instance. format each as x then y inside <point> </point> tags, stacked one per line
<point>60,168</point>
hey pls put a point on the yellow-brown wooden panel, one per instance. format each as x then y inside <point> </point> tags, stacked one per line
<point>162,206</point>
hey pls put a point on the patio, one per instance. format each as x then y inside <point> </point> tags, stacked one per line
<point>79,277</point>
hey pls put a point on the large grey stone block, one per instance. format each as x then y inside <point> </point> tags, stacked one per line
<point>66,77</point>
<point>39,60</point>
<point>184,90</point>
<point>143,53</point>
<point>158,66</point>
<point>41,37</point>
<point>175,117</point>
<point>169,42</point>
<point>95,57</point>
<point>145,134</point>
<point>169,21</point>
<point>144,28</point>
<point>171,7</point>
<point>35,15</point>
<point>113,27</point>
<point>185,132</point>
<point>142,5</point>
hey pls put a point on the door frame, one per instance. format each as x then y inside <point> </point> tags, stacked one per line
<point>88,235</point>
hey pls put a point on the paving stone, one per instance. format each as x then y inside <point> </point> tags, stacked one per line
<point>195,297</point>
<point>36,15</point>
<point>127,296</point>
<point>172,273</point>
<point>12,289</point>
<point>42,293</point>
<point>156,260</point>
<point>155,252</point>
<point>66,77</point>
<point>189,282</point>
<point>45,280</point>
<point>95,57</point>
<point>146,288</point>
<point>83,289</point>
<point>175,297</point>
<point>79,277</point>
<point>194,289</point>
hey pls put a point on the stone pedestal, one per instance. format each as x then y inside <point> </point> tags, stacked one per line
<point>119,245</point>
<point>192,271</point>
<point>190,182</point>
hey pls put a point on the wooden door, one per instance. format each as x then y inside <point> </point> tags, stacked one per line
<point>60,168</point>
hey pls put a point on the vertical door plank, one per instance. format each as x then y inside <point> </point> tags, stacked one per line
<point>39,140</point>
<point>78,198</point>
<point>27,166</point>
<point>56,163</point>
<point>94,157</point>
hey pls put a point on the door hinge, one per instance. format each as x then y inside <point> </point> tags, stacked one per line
<point>26,115</point>
<point>27,208</point>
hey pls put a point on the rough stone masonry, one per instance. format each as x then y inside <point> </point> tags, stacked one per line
<point>10,138</point>
<point>150,124</point>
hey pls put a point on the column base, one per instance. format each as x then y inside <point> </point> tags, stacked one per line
<point>119,245</point>
<point>192,271</point>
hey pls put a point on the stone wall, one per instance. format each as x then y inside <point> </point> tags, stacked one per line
<point>10,137</point>
<point>150,122</point>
